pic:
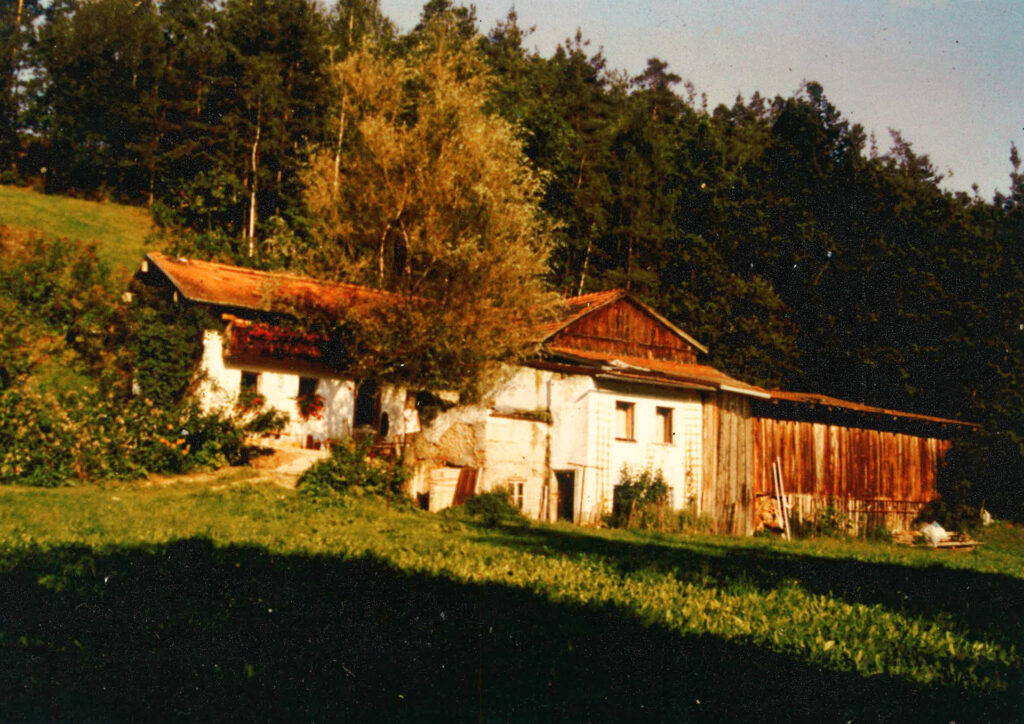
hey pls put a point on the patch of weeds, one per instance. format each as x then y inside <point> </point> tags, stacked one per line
<point>491,509</point>
<point>878,534</point>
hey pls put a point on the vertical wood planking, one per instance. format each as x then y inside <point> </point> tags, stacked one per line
<point>834,461</point>
<point>709,478</point>
<point>624,328</point>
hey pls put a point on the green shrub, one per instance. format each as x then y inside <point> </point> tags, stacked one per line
<point>350,470</point>
<point>49,438</point>
<point>68,351</point>
<point>491,509</point>
<point>688,520</point>
<point>879,534</point>
<point>641,500</point>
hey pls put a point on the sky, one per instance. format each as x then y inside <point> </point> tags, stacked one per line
<point>948,74</point>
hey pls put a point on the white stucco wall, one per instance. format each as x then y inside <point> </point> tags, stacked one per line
<point>679,461</point>
<point>530,450</point>
<point>579,439</point>
<point>516,453</point>
<point>582,436</point>
<point>221,383</point>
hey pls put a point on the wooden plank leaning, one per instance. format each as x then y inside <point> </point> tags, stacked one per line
<point>780,493</point>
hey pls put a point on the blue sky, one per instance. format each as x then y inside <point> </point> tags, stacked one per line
<point>949,74</point>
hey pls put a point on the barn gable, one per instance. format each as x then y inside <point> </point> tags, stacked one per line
<point>617,323</point>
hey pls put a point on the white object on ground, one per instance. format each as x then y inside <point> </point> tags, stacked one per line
<point>934,533</point>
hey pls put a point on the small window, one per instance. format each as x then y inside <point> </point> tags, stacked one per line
<point>516,489</point>
<point>307,386</point>
<point>250,381</point>
<point>624,420</point>
<point>664,424</point>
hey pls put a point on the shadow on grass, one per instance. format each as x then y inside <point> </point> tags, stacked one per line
<point>196,632</point>
<point>984,604</point>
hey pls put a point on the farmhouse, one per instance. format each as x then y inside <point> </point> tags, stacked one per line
<point>615,385</point>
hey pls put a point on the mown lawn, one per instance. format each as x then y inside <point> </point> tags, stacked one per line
<point>120,231</point>
<point>232,598</point>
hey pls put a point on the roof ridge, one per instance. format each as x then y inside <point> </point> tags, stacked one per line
<point>595,295</point>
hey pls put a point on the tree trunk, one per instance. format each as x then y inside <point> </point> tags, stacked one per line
<point>341,115</point>
<point>254,184</point>
<point>586,261</point>
<point>629,263</point>
<point>14,46</point>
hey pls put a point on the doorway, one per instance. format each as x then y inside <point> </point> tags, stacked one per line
<point>566,494</point>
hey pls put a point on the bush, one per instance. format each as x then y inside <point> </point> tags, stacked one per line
<point>351,470</point>
<point>492,508</point>
<point>641,500</point>
<point>49,439</point>
<point>68,352</point>
<point>688,520</point>
<point>879,534</point>
<point>166,343</point>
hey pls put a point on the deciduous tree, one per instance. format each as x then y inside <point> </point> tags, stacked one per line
<point>437,204</point>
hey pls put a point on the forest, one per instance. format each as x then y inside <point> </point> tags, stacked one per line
<point>804,252</point>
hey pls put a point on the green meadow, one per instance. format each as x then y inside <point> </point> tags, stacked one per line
<point>121,232</point>
<point>227,597</point>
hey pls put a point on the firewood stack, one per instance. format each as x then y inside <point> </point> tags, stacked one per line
<point>766,513</point>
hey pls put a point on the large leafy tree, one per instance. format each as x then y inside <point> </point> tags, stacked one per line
<point>436,204</point>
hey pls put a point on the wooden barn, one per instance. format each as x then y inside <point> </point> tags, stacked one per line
<point>616,386</point>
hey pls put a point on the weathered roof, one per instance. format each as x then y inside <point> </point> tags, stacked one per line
<point>580,306</point>
<point>640,369</point>
<point>236,287</point>
<point>824,401</point>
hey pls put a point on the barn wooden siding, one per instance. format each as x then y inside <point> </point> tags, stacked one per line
<point>870,477</point>
<point>626,329</point>
<point>727,490</point>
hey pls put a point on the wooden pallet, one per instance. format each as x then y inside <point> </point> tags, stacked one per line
<point>956,541</point>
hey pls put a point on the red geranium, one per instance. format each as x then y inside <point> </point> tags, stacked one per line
<point>250,401</point>
<point>311,406</point>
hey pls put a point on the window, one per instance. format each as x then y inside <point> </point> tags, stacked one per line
<point>515,492</point>
<point>249,397</point>
<point>624,420</point>
<point>250,381</point>
<point>664,424</point>
<point>307,386</point>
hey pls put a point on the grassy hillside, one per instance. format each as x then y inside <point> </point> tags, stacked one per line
<point>229,598</point>
<point>121,231</point>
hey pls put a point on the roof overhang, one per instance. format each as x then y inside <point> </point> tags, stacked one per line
<point>651,373</point>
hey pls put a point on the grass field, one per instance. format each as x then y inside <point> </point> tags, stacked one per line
<point>121,231</point>
<point>227,597</point>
